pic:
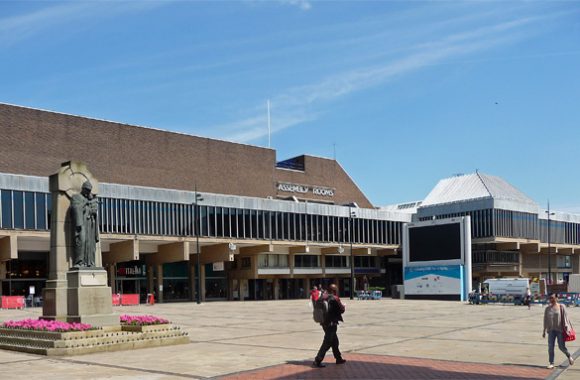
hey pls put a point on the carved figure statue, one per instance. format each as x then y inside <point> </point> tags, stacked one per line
<point>84,207</point>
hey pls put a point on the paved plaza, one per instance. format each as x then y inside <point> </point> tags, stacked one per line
<point>390,339</point>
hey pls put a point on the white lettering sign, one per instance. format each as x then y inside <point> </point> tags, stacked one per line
<point>292,188</point>
<point>323,191</point>
<point>296,188</point>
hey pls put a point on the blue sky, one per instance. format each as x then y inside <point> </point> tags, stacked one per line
<point>407,91</point>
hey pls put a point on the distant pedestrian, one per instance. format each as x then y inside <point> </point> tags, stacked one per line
<point>528,299</point>
<point>314,294</point>
<point>332,318</point>
<point>555,322</point>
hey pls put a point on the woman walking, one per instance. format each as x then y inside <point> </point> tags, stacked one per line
<point>555,321</point>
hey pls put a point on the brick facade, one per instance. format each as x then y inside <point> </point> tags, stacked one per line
<point>36,142</point>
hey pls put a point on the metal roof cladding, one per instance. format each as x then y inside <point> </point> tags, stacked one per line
<point>474,186</point>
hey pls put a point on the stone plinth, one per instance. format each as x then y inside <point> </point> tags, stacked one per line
<point>89,297</point>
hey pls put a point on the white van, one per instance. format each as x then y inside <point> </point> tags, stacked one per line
<point>516,287</point>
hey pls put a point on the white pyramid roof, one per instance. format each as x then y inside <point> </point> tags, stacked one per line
<point>475,186</point>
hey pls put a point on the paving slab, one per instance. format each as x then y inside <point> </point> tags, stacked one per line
<point>391,367</point>
<point>390,336</point>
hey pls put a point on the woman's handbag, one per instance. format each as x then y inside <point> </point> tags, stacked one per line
<point>568,336</point>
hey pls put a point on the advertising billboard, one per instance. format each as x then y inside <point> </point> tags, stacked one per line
<point>437,259</point>
<point>434,280</point>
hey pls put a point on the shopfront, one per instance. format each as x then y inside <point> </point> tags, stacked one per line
<point>25,276</point>
<point>176,282</point>
<point>216,282</point>
<point>132,278</point>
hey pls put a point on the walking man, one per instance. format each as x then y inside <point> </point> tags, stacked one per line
<point>330,325</point>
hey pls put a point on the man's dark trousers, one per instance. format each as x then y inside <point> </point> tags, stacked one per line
<point>330,340</point>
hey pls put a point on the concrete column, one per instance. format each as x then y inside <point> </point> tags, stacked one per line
<point>8,248</point>
<point>150,280</point>
<point>243,286</point>
<point>291,264</point>
<point>575,261</point>
<point>202,276</point>
<point>3,273</point>
<point>159,283</point>
<point>276,287</point>
<point>230,289</point>
<point>192,281</point>
<point>112,277</point>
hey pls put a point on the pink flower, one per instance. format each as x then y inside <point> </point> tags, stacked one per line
<point>44,325</point>
<point>142,320</point>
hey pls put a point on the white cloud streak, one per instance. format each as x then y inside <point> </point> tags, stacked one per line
<point>301,4</point>
<point>20,27</point>
<point>296,105</point>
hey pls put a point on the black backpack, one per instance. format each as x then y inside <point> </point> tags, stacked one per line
<point>320,308</point>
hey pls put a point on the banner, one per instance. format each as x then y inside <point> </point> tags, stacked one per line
<point>434,280</point>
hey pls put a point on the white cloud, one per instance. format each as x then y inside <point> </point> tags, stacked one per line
<point>302,4</point>
<point>298,104</point>
<point>17,28</point>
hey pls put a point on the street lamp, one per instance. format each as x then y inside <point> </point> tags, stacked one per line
<point>351,214</point>
<point>549,246</point>
<point>197,199</point>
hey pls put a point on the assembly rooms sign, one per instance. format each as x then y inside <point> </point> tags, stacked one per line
<point>303,189</point>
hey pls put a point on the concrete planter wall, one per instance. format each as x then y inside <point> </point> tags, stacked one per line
<point>148,328</point>
<point>83,342</point>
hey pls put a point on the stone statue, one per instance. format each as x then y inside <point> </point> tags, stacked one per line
<point>84,207</point>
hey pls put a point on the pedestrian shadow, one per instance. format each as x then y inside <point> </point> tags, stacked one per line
<point>368,370</point>
<point>525,365</point>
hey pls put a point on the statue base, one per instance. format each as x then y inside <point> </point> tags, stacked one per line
<point>89,298</point>
<point>54,305</point>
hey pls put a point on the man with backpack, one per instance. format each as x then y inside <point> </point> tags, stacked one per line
<point>328,311</point>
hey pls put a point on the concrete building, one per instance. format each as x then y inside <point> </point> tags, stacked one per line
<point>509,230</point>
<point>267,229</point>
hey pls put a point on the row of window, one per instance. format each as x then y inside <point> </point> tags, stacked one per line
<point>121,216</point>
<point>506,223</point>
<point>313,261</point>
<point>24,210</point>
<point>31,211</point>
<point>495,257</point>
<point>515,224</point>
<point>560,232</point>
<point>481,221</point>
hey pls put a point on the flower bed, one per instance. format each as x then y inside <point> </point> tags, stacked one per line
<point>142,320</point>
<point>44,325</point>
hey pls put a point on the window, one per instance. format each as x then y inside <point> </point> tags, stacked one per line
<point>246,262</point>
<point>364,261</point>
<point>18,198</point>
<point>41,211</point>
<point>6,199</point>
<point>333,261</point>
<point>306,261</point>
<point>29,210</point>
<point>272,261</point>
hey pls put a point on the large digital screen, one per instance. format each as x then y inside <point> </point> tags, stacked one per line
<point>435,242</point>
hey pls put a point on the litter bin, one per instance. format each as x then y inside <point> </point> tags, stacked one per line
<point>394,292</point>
<point>401,291</point>
<point>150,299</point>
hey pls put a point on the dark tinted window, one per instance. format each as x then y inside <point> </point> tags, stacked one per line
<point>6,198</point>
<point>18,197</point>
